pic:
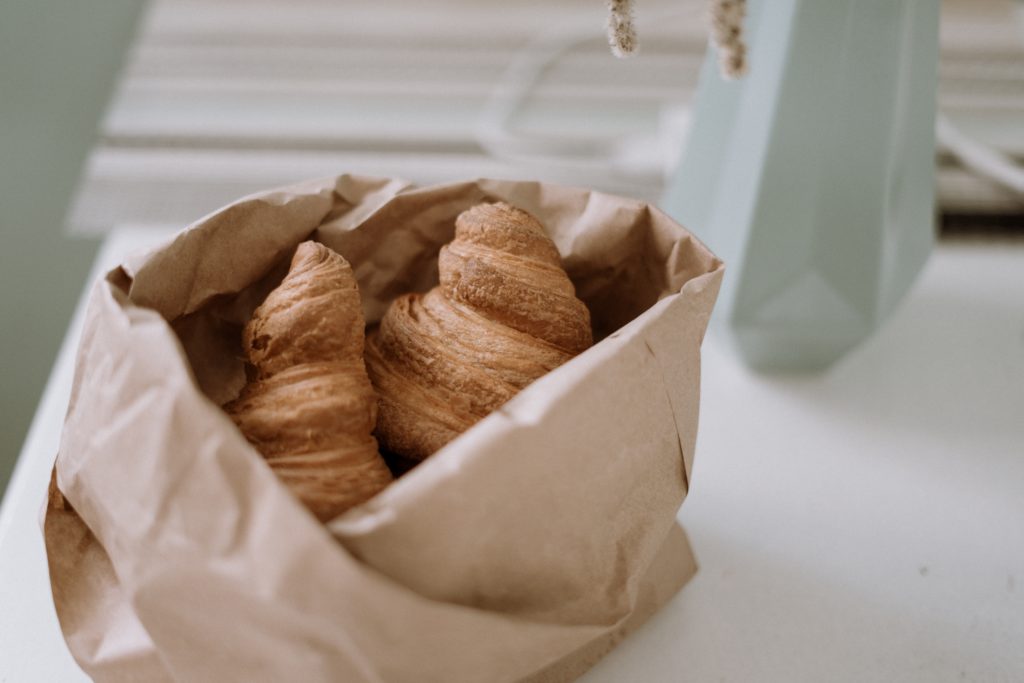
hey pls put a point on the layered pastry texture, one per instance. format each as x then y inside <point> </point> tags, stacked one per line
<point>309,408</point>
<point>504,313</point>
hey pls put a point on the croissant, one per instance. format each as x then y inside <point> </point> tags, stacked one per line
<point>310,410</point>
<point>504,314</point>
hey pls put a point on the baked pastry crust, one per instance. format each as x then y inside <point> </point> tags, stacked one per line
<point>310,410</point>
<point>504,313</point>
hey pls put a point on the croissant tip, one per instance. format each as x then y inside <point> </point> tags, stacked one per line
<point>487,207</point>
<point>499,207</point>
<point>500,213</point>
<point>307,250</point>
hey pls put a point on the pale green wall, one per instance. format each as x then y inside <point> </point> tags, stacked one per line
<point>58,64</point>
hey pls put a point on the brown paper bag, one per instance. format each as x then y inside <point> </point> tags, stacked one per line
<point>523,551</point>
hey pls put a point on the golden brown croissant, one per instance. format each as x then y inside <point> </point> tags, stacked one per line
<point>311,409</point>
<point>504,314</point>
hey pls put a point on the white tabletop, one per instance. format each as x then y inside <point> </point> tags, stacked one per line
<point>866,524</point>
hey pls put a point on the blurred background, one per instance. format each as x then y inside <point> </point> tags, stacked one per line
<point>200,103</point>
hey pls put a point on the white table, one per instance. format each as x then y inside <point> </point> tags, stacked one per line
<point>862,525</point>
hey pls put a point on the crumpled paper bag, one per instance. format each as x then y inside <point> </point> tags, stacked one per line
<point>523,551</point>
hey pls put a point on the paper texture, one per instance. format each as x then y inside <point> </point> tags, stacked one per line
<point>523,551</point>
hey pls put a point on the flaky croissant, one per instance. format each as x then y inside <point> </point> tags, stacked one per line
<point>504,314</point>
<point>311,409</point>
